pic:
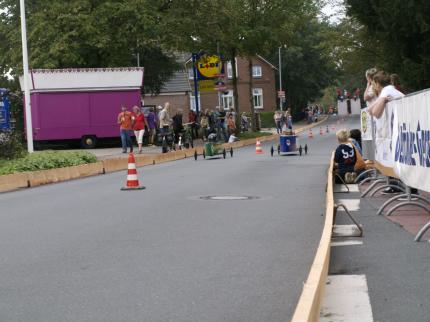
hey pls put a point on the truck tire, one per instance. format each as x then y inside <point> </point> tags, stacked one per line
<point>89,141</point>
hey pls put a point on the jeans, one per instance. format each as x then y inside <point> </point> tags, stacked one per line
<point>125,139</point>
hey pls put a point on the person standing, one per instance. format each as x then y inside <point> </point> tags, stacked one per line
<point>177,125</point>
<point>164,119</point>
<point>278,121</point>
<point>152,125</point>
<point>192,118</point>
<point>231,125</point>
<point>139,127</point>
<point>125,121</point>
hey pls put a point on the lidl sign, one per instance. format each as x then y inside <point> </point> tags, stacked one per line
<point>210,66</point>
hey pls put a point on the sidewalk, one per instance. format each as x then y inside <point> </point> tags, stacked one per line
<point>395,267</point>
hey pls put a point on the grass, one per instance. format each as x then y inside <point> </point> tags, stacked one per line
<point>252,135</point>
<point>45,160</point>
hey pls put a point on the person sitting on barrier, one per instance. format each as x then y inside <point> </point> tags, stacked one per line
<point>345,158</point>
<point>355,136</point>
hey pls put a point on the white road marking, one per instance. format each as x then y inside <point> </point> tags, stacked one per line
<point>346,243</point>
<point>342,188</point>
<point>346,299</point>
<point>351,204</point>
<point>345,231</point>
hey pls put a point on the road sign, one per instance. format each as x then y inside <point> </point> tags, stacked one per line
<point>220,87</point>
<point>209,66</point>
<point>281,94</point>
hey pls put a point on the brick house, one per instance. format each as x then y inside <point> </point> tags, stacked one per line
<point>179,89</point>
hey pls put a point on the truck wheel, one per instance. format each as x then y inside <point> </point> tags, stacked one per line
<point>89,141</point>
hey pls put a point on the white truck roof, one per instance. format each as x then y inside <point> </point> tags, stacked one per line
<point>84,79</point>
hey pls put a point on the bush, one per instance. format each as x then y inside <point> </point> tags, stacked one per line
<point>45,160</point>
<point>267,119</point>
<point>10,145</point>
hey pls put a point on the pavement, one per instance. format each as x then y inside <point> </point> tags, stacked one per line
<point>85,251</point>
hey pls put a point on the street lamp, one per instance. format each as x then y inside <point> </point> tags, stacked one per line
<point>28,121</point>
<point>280,75</point>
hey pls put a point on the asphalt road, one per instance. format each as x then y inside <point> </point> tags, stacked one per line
<point>85,251</point>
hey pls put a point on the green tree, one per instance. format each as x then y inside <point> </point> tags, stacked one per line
<point>85,33</point>
<point>401,30</point>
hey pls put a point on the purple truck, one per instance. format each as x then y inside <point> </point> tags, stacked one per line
<point>81,104</point>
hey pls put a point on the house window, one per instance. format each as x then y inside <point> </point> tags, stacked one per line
<point>230,70</point>
<point>193,102</point>
<point>227,100</point>
<point>256,71</point>
<point>190,73</point>
<point>258,97</point>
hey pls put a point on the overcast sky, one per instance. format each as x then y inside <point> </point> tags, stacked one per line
<point>334,9</point>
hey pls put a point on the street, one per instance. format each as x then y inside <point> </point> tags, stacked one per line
<point>85,251</point>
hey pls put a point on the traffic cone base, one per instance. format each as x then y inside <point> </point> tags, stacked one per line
<point>132,181</point>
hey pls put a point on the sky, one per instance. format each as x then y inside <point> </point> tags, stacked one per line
<point>334,9</point>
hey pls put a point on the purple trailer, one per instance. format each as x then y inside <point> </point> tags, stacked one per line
<point>81,103</point>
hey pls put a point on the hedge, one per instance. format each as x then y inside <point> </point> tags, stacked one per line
<point>45,160</point>
<point>267,119</point>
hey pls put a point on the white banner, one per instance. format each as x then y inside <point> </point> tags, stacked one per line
<point>411,140</point>
<point>383,135</point>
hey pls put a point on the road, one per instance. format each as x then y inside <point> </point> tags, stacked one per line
<point>85,251</point>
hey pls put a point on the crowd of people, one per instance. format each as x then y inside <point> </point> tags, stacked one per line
<point>220,122</point>
<point>381,88</point>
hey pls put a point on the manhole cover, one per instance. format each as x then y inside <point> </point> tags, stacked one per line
<point>228,197</point>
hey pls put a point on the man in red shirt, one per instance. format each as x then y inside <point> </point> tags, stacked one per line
<point>125,121</point>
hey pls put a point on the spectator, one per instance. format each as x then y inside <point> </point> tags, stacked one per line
<point>192,118</point>
<point>278,121</point>
<point>221,124</point>
<point>345,157</point>
<point>177,125</point>
<point>204,124</point>
<point>164,119</point>
<point>231,125</point>
<point>125,121</point>
<point>152,125</point>
<point>395,81</point>
<point>289,119</point>
<point>245,122</point>
<point>355,135</point>
<point>370,93</point>
<point>139,127</point>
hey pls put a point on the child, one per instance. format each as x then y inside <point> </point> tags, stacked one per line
<point>345,157</point>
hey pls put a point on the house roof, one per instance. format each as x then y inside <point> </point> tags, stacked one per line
<point>267,62</point>
<point>84,79</point>
<point>177,83</point>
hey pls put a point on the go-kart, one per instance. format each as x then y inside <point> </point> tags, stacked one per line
<point>212,148</point>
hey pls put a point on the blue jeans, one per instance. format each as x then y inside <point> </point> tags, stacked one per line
<point>125,139</point>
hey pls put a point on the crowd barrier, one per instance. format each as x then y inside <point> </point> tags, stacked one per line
<point>308,307</point>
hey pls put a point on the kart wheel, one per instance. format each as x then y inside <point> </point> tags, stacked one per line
<point>231,152</point>
<point>272,150</point>
<point>279,149</point>
<point>204,155</point>
<point>224,153</point>
<point>195,155</point>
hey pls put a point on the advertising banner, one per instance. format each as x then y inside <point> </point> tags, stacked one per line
<point>411,140</point>
<point>383,136</point>
<point>4,111</point>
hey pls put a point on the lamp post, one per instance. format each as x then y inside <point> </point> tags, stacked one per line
<point>280,75</point>
<point>28,121</point>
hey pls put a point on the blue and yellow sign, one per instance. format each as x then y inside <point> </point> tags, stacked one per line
<point>209,66</point>
<point>4,110</point>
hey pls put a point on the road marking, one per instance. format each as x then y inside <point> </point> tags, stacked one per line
<point>342,188</point>
<point>351,204</point>
<point>346,299</point>
<point>345,231</point>
<point>346,243</point>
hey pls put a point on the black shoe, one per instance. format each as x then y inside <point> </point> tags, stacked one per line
<point>390,190</point>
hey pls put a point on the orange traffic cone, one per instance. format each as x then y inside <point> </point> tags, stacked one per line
<point>311,136</point>
<point>321,131</point>
<point>132,181</point>
<point>258,148</point>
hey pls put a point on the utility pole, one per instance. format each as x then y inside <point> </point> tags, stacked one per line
<point>280,78</point>
<point>28,120</point>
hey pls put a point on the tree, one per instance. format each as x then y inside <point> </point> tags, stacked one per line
<point>85,33</point>
<point>401,30</point>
